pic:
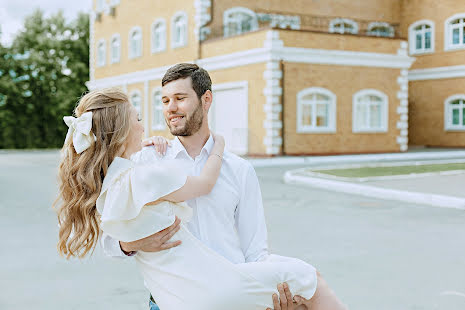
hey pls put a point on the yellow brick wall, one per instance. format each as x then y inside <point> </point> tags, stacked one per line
<point>143,13</point>
<point>344,82</point>
<point>439,12</point>
<point>342,42</point>
<point>426,112</point>
<point>224,46</point>
<point>382,10</point>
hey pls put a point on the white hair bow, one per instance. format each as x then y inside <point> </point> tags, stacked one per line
<point>79,130</point>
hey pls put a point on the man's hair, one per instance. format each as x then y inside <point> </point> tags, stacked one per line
<point>201,81</point>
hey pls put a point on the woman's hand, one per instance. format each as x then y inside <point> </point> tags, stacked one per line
<point>218,148</point>
<point>160,143</point>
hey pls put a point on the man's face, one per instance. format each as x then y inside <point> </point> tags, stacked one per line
<point>182,108</point>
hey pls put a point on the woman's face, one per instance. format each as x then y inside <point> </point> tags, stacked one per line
<point>135,133</point>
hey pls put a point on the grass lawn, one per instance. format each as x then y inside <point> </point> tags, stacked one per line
<point>384,171</point>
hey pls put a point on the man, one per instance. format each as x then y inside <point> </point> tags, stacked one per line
<point>230,220</point>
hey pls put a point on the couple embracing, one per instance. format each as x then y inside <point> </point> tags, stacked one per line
<point>190,213</point>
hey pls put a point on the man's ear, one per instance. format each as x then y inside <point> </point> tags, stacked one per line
<point>207,99</point>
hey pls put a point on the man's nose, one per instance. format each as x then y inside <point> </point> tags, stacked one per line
<point>172,106</point>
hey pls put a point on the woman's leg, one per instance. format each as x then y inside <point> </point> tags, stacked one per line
<point>323,299</point>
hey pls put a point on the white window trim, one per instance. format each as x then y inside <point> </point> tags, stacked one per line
<point>448,115</point>
<point>334,22</point>
<point>134,29</point>
<point>112,59</point>
<point>156,126</point>
<point>384,109</point>
<point>101,62</point>
<point>412,37</point>
<point>380,24</point>
<point>448,46</point>
<point>331,113</point>
<point>100,8</point>
<point>154,49</point>
<point>239,9</point>
<point>139,93</point>
<point>173,32</point>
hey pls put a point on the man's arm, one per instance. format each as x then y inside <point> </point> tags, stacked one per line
<point>153,243</point>
<point>250,218</point>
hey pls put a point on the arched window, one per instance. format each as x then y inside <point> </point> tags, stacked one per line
<point>316,110</point>
<point>135,42</point>
<point>421,37</point>
<point>101,53</point>
<point>136,100</point>
<point>239,20</point>
<point>115,48</point>
<point>343,25</point>
<point>380,29</point>
<point>455,32</point>
<point>179,30</point>
<point>370,111</point>
<point>454,112</point>
<point>158,36</point>
<point>158,120</point>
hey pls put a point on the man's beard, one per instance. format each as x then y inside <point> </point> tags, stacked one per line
<point>192,124</point>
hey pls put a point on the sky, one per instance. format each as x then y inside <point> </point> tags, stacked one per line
<point>13,12</point>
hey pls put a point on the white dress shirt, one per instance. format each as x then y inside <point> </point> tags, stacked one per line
<point>230,219</point>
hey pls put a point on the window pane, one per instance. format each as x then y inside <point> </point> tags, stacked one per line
<point>360,116</point>
<point>375,116</point>
<point>455,117</point>
<point>418,40</point>
<point>306,115</point>
<point>456,36</point>
<point>427,40</point>
<point>322,115</point>
<point>463,117</point>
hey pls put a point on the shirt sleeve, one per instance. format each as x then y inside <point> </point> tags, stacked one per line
<point>250,218</point>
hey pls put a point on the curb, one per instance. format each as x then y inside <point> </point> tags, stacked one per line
<point>331,159</point>
<point>435,200</point>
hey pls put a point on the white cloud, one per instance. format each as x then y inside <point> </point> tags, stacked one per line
<point>12,13</point>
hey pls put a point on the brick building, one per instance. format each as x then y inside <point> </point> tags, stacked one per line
<point>299,76</point>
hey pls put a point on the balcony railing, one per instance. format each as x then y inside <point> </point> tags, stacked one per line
<point>325,24</point>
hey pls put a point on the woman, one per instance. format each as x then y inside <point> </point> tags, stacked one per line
<point>101,188</point>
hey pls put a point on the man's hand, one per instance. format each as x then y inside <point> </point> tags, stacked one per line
<point>156,242</point>
<point>285,300</point>
<point>160,143</point>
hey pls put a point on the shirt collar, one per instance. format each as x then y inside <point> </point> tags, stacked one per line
<point>178,148</point>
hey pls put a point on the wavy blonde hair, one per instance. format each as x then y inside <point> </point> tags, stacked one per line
<point>81,175</point>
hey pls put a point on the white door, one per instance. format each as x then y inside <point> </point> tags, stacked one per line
<point>228,115</point>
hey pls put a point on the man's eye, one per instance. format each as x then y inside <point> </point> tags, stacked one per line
<point>181,98</point>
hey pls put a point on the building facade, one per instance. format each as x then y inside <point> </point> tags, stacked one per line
<point>296,77</point>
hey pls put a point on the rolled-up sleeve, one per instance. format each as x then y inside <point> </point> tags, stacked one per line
<point>250,217</point>
<point>110,246</point>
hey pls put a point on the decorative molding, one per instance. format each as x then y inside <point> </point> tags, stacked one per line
<point>146,109</point>
<point>202,17</point>
<point>402,111</point>
<point>384,111</point>
<point>412,37</point>
<point>273,93</point>
<point>448,72</point>
<point>91,46</point>
<point>185,19</point>
<point>334,28</point>
<point>448,46</point>
<point>281,21</point>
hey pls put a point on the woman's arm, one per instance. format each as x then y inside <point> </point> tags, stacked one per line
<point>203,184</point>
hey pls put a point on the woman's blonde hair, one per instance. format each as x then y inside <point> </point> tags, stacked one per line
<point>81,175</point>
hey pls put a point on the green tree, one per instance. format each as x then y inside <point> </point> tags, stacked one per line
<point>42,76</point>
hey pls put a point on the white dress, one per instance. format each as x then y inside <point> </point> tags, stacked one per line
<point>189,276</point>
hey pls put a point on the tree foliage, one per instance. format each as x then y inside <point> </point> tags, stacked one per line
<point>42,76</point>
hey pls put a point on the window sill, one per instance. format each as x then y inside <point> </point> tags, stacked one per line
<point>316,131</point>
<point>422,52</point>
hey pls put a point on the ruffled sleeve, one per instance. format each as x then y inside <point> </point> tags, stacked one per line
<point>127,188</point>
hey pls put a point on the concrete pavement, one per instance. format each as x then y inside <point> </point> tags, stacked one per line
<point>376,254</point>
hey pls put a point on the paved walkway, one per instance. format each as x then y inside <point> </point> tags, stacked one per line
<point>376,254</point>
